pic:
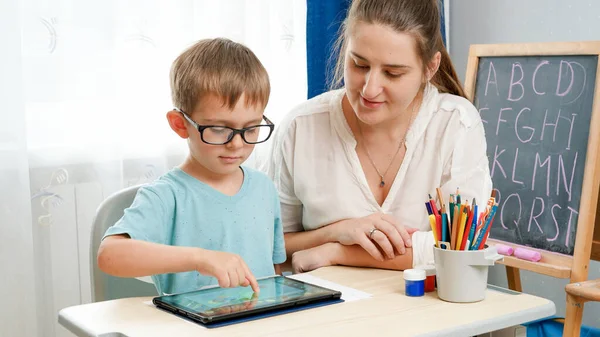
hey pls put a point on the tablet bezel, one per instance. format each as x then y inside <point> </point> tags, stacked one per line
<point>207,319</point>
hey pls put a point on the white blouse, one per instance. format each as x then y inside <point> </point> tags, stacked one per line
<point>315,167</point>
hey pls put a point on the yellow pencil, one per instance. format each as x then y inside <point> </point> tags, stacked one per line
<point>454,227</point>
<point>461,227</point>
<point>434,229</point>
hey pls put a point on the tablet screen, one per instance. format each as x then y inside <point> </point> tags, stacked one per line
<point>222,301</point>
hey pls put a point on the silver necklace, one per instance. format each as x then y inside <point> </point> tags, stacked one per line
<point>381,176</point>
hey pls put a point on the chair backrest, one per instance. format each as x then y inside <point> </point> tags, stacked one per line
<point>104,286</point>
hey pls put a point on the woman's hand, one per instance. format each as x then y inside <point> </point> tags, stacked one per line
<point>375,233</point>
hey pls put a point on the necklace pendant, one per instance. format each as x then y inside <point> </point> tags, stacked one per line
<point>382,183</point>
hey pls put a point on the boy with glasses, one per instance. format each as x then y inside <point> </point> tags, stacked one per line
<point>209,220</point>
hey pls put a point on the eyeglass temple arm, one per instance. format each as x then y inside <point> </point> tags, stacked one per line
<point>267,120</point>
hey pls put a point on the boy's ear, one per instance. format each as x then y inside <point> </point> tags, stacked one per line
<point>177,124</point>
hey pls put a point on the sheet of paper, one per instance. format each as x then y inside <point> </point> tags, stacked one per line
<point>348,294</point>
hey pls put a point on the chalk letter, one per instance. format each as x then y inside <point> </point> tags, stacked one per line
<point>535,165</point>
<point>524,127</point>
<point>516,222</point>
<point>571,122</point>
<point>554,125</point>
<point>535,75</point>
<point>500,119</point>
<point>537,216</point>
<point>564,93</point>
<point>561,167</point>
<point>515,168</point>
<point>569,227</point>
<point>495,81</point>
<point>496,155</point>
<point>480,110</point>
<point>512,83</point>
<point>555,222</point>
<point>584,81</point>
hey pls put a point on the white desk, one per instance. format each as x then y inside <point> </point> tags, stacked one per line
<point>388,313</point>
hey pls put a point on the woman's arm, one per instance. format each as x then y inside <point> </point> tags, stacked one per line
<point>331,254</point>
<point>380,236</point>
<point>357,257</point>
<point>298,241</point>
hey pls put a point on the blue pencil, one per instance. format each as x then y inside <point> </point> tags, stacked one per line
<point>473,226</point>
<point>445,227</point>
<point>485,227</point>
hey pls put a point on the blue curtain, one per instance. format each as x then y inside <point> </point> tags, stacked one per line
<point>442,21</point>
<point>323,19</point>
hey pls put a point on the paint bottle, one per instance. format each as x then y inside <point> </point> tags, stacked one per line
<point>429,277</point>
<point>414,282</point>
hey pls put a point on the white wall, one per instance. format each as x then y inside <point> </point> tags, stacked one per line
<point>507,21</point>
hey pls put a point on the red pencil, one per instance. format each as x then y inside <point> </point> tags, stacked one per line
<point>467,229</point>
<point>487,233</point>
<point>438,222</point>
<point>433,206</point>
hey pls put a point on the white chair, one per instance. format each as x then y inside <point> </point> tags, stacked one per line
<point>104,286</point>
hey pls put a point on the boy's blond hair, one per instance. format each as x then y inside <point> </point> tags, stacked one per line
<point>218,67</point>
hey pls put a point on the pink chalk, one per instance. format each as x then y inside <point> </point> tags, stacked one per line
<point>504,249</point>
<point>529,255</point>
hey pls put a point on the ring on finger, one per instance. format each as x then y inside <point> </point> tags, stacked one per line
<point>371,232</point>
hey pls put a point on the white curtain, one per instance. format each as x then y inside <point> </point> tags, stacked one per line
<point>83,95</point>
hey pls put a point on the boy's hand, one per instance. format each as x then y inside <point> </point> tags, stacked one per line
<point>229,269</point>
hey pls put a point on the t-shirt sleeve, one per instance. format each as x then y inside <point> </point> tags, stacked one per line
<point>146,219</point>
<point>279,254</point>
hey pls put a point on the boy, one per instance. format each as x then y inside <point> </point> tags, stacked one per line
<point>209,219</point>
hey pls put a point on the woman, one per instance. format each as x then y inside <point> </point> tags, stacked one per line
<point>354,166</point>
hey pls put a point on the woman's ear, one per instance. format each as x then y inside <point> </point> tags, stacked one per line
<point>433,65</point>
<point>177,124</point>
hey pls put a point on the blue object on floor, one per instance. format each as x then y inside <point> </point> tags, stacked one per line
<point>551,328</point>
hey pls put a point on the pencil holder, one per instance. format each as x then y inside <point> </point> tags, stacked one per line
<point>462,275</point>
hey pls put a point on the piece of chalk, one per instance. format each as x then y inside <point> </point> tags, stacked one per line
<point>529,255</point>
<point>504,249</point>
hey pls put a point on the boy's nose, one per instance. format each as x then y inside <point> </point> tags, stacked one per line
<point>236,142</point>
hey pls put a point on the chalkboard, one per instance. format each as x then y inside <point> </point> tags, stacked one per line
<point>537,112</point>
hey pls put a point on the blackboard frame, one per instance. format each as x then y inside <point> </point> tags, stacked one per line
<point>557,265</point>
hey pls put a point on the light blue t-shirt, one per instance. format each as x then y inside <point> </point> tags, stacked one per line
<point>179,210</point>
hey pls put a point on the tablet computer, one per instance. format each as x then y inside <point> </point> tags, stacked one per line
<point>220,304</point>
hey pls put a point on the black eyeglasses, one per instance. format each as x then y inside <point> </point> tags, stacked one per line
<point>221,135</point>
